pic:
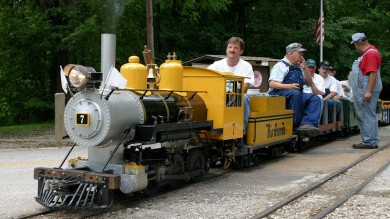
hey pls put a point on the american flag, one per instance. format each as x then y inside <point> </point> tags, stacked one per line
<point>320,29</point>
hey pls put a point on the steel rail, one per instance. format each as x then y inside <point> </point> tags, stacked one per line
<point>122,201</point>
<point>344,199</point>
<point>313,186</point>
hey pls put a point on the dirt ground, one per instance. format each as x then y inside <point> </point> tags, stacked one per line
<point>29,139</point>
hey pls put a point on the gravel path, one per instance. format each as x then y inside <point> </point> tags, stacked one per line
<point>242,194</point>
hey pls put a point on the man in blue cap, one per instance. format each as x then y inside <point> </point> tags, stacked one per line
<point>287,78</point>
<point>366,86</point>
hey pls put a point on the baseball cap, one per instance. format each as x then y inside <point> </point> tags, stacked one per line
<point>331,68</point>
<point>325,63</point>
<point>358,37</point>
<point>294,47</point>
<point>311,62</point>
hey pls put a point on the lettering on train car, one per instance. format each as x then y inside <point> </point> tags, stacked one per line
<point>275,131</point>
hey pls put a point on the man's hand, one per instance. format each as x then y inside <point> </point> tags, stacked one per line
<point>367,96</point>
<point>295,86</point>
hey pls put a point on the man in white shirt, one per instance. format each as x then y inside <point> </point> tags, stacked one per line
<point>318,81</point>
<point>347,89</point>
<point>331,88</point>
<point>340,91</point>
<point>234,63</point>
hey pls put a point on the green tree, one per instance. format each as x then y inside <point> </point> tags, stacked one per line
<point>40,35</point>
<point>25,67</point>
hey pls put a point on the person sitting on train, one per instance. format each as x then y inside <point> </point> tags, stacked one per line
<point>288,78</point>
<point>318,81</point>
<point>331,89</point>
<point>340,91</point>
<point>234,63</point>
<point>347,89</point>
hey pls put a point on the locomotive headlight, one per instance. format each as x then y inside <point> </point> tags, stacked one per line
<point>79,76</point>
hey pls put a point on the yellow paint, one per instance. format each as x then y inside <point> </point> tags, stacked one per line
<point>171,73</point>
<point>263,128</point>
<point>227,120</point>
<point>268,104</point>
<point>269,120</point>
<point>135,74</point>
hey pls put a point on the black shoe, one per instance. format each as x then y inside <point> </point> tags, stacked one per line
<point>364,146</point>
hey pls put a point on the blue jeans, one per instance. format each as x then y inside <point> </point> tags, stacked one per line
<point>331,103</point>
<point>247,101</point>
<point>307,107</point>
<point>365,111</point>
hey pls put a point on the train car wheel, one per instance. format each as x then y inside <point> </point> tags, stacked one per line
<point>299,145</point>
<point>196,160</point>
<point>151,189</point>
<point>178,168</point>
<point>105,198</point>
<point>291,147</point>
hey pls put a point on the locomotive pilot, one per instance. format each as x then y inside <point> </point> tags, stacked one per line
<point>287,78</point>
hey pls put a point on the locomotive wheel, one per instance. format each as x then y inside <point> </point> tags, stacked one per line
<point>196,160</point>
<point>105,198</point>
<point>229,157</point>
<point>178,168</point>
<point>151,189</point>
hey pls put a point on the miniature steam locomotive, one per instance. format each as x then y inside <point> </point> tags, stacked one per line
<point>166,127</point>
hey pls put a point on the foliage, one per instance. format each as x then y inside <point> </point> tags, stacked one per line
<point>39,36</point>
<point>24,70</point>
<point>26,128</point>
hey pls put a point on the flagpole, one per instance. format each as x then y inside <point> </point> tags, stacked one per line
<point>321,31</point>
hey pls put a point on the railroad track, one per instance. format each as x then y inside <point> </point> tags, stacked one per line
<point>122,201</point>
<point>321,197</point>
<point>324,196</point>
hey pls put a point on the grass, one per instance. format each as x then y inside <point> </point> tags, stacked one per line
<point>27,127</point>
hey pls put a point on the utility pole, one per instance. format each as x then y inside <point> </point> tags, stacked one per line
<point>149,26</point>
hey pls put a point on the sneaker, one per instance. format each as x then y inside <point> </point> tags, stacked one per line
<point>308,130</point>
<point>364,146</point>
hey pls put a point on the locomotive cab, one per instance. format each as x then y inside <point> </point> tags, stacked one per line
<point>224,100</point>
